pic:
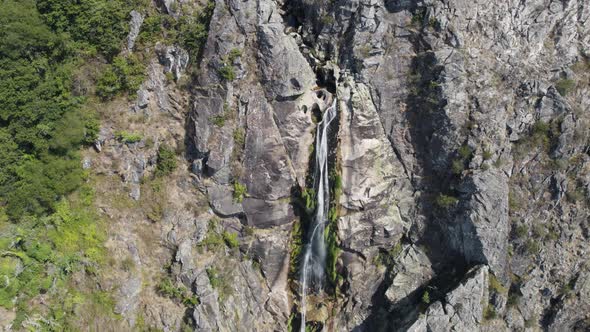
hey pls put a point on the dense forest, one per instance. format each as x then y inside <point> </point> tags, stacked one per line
<point>58,60</point>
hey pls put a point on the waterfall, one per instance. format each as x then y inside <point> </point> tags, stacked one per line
<point>314,258</point>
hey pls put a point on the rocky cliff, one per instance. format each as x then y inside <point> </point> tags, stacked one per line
<point>460,168</point>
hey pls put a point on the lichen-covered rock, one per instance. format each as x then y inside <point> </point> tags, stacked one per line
<point>134,28</point>
<point>285,72</point>
<point>174,59</point>
<point>411,271</point>
<point>462,308</point>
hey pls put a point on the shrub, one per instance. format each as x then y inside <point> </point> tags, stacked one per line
<point>575,195</point>
<point>96,23</point>
<point>125,74</point>
<point>192,30</point>
<point>490,312</point>
<point>522,230</point>
<point>513,299</point>
<point>151,29</point>
<point>308,197</point>
<point>457,166</point>
<point>539,231</point>
<point>218,120</point>
<point>465,152</point>
<point>231,239</point>
<point>514,202</point>
<point>226,71</point>
<point>221,281</point>
<point>426,297</point>
<point>127,137</point>
<point>331,238</point>
<point>446,202</point>
<point>239,137</point>
<point>495,285</point>
<point>532,247</point>
<point>487,154</point>
<point>128,264</point>
<point>234,54</point>
<point>565,86</point>
<point>166,161</point>
<point>213,275</point>
<point>180,293</point>
<point>240,191</point>
<point>212,240</point>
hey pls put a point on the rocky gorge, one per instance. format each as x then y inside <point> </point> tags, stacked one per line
<point>458,166</point>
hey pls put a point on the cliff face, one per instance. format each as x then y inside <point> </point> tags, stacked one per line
<point>461,157</point>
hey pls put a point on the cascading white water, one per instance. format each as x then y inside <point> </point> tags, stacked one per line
<point>314,258</point>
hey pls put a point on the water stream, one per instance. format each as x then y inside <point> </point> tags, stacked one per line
<point>314,258</point>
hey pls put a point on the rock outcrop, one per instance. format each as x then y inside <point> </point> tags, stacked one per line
<point>462,308</point>
<point>460,162</point>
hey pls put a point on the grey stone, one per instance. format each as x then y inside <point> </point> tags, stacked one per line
<point>86,163</point>
<point>174,59</point>
<point>412,270</point>
<point>223,202</point>
<point>134,28</point>
<point>462,309</point>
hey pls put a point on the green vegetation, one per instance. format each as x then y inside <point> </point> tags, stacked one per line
<point>308,197</point>
<point>153,198</point>
<point>42,124</point>
<point>220,280</point>
<point>125,74</point>
<point>49,229</point>
<point>295,248</point>
<point>495,285</point>
<point>514,202</point>
<point>541,135</point>
<point>564,86</point>
<point>234,54</point>
<point>331,233</point>
<point>239,137</point>
<point>465,152</point>
<point>446,202</point>
<point>521,230</point>
<point>215,239</point>
<point>457,166</point>
<point>464,156</point>
<point>532,247</point>
<point>167,288</point>
<point>95,25</point>
<point>513,299</point>
<point>188,31</point>
<point>192,30</point>
<point>226,71</point>
<point>387,258</point>
<point>331,238</point>
<point>231,239</point>
<point>529,323</point>
<point>41,253</point>
<point>426,297</point>
<point>166,161</point>
<point>489,312</point>
<point>240,191</point>
<point>127,137</point>
<point>151,28</point>
<point>218,120</point>
<point>418,17</point>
